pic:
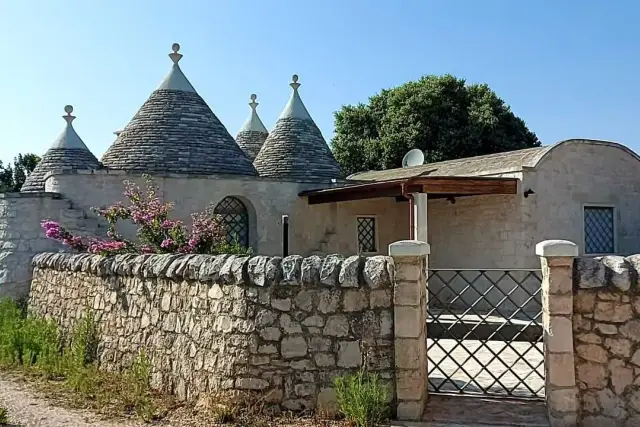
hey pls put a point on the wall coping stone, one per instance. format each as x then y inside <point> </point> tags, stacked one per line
<point>261,271</point>
<point>409,248</point>
<point>615,272</point>
<point>557,248</point>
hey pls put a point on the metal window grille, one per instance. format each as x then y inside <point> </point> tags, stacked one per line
<point>484,330</point>
<point>598,230</point>
<point>235,220</point>
<point>367,234</point>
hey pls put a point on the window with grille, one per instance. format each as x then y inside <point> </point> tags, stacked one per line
<point>235,220</point>
<point>598,230</point>
<point>367,234</point>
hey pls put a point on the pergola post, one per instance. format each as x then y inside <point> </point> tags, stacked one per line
<point>420,224</point>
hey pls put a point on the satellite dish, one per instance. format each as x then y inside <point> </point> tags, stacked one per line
<point>414,157</point>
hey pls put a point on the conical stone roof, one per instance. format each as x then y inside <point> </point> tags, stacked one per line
<point>176,131</point>
<point>253,133</point>
<point>295,148</point>
<point>68,152</point>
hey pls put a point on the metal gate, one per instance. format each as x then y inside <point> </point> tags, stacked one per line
<point>484,330</point>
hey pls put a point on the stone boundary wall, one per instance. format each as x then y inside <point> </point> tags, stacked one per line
<point>282,327</point>
<point>606,336</point>
<point>21,236</point>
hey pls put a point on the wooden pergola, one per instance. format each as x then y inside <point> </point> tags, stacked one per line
<point>435,187</point>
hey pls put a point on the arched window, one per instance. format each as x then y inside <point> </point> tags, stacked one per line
<point>235,219</point>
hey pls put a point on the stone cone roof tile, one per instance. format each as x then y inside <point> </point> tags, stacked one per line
<point>175,131</point>
<point>251,142</point>
<point>295,148</point>
<point>253,132</point>
<point>68,152</point>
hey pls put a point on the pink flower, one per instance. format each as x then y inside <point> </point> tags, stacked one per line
<point>166,243</point>
<point>169,224</point>
<point>146,249</point>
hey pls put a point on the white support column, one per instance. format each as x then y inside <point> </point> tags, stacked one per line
<point>420,222</point>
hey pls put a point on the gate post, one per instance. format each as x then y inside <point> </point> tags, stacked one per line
<point>556,257</point>
<point>410,327</point>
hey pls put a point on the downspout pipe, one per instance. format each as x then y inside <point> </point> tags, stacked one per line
<point>285,236</point>
<point>409,196</point>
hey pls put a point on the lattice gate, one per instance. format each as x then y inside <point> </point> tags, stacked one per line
<point>484,331</point>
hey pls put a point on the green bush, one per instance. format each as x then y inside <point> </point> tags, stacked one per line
<point>362,398</point>
<point>4,416</point>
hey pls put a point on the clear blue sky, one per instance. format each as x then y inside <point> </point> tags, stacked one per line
<point>568,67</point>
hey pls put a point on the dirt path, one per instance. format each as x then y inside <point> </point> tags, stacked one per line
<point>29,408</point>
<point>26,409</point>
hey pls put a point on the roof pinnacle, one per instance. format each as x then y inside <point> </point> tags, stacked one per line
<point>295,85</point>
<point>253,104</point>
<point>176,79</point>
<point>69,118</point>
<point>175,56</point>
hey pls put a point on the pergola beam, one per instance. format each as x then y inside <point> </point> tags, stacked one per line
<point>435,186</point>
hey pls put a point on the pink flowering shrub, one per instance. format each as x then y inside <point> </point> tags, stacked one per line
<point>157,233</point>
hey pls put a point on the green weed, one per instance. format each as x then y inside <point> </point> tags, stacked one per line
<point>136,391</point>
<point>37,345</point>
<point>362,398</point>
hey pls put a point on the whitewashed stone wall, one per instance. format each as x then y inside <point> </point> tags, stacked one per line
<point>21,236</point>
<point>283,327</point>
<point>606,327</point>
<point>502,231</point>
<point>314,229</point>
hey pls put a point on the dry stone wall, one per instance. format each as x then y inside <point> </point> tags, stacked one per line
<point>606,334</point>
<point>283,327</point>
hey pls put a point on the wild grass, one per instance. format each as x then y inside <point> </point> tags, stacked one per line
<point>362,398</point>
<point>4,416</point>
<point>69,366</point>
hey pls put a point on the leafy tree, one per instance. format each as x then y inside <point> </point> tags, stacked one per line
<point>12,177</point>
<point>6,178</point>
<point>440,115</point>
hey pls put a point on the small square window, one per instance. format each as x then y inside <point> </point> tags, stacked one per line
<point>598,230</point>
<point>367,234</point>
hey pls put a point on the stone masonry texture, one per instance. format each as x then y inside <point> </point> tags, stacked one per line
<point>176,131</point>
<point>21,236</point>
<point>295,149</point>
<point>606,331</point>
<point>282,327</point>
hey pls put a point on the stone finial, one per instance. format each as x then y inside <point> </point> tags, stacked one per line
<point>253,104</point>
<point>68,109</point>
<point>175,56</point>
<point>294,84</point>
